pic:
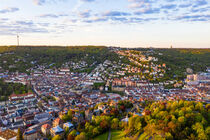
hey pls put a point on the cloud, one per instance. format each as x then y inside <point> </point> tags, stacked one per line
<point>199,3</point>
<point>27,23</point>
<point>121,19</point>
<point>185,5</point>
<point>42,2</point>
<point>202,17</point>
<point>140,3</point>
<point>52,15</point>
<point>9,10</point>
<point>4,19</point>
<point>169,6</point>
<point>39,2</point>
<point>197,9</point>
<point>141,20</point>
<point>148,11</point>
<point>88,0</point>
<point>84,14</point>
<point>116,13</point>
<point>12,28</point>
<point>96,19</point>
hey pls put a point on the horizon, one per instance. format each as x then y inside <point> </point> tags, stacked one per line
<point>123,23</point>
<point>100,46</point>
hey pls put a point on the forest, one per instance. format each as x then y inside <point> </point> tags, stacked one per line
<point>21,58</point>
<point>178,60</point>
<point>164,120</point>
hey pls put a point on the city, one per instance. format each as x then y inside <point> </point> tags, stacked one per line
<point>60,100</point>
<point>104,70</point>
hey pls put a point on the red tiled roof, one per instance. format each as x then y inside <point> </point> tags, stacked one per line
<point>46,126</point>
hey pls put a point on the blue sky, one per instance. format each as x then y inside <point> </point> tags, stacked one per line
<point>125,23</point>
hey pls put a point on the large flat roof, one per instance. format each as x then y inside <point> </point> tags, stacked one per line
<point>8,134</point>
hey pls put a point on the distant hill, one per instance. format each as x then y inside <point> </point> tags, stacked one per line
<point>21,58</point>
<point>179,59</point>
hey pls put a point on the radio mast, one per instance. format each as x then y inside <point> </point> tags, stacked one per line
<point>17,39</point>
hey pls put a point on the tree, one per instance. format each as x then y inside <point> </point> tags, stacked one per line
<point>104,124</point>
<point>73,133</point>
<point>115,123</point>
<point>65,118</point>
<point>19,135</point>
<point>96,131</point>
<point>70,137</point>
<point>70,114</point>
<point>81,136</point>
<point>57,137</point>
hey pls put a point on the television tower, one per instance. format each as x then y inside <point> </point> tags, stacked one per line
<point>17,39</point>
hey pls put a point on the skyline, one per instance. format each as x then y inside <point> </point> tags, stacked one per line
<point>124,23</point>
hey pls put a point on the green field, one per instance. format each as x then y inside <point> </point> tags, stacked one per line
<point>103,136</point>
<point>117,135</point>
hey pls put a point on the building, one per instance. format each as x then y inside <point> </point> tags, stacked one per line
<point>27,97</point>
<point>58,122</point>
<point>42,117</point>
<point>68,125</point>
<point>8,135</point>
<point>88,114</point>
<point>45,129</point>
<point>57,131</point>
<point>30,134</point>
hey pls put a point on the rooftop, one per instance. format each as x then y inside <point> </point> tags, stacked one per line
<point>7,134</point>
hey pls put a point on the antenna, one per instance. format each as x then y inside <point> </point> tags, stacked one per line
<point>17,39</point>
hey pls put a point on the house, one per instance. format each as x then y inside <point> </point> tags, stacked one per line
<point>68,125</point>
<point>58,122</point>
<point>42,117</point>
<point>57,131</point>
<point>22,97</point>
<point>27,118</point>
<point>101,107</point>
<point>146,112</point>
<point>88,114</point>
<point>106,111</point>
<point>45,129</point>
<point>30,134</point>
<point>8,135</point>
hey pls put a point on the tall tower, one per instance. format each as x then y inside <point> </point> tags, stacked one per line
<point>17,39</point>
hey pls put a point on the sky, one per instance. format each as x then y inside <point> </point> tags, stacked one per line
<point>122,23</point>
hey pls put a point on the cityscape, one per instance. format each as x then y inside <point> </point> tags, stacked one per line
<point>104,70</point>
<point>52,102</point>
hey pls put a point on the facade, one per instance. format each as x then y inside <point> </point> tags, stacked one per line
<point>57,131</point>
<point>58,122</point>
<point>27,97</point>
<point>45,129</point>
<point>30,135</point>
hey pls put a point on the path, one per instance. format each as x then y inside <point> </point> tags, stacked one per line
<point>109,137</point>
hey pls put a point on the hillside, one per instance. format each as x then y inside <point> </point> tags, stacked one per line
<point>21,58</point>
<point>178,60</point>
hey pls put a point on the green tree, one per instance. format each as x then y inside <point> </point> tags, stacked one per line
<point>81,136</point>
<point>73,133</point>
<point>57,137</point>
<point>19,135</point>
<point>96,131</point>
<point>70,114</point>
<point>115,123</point>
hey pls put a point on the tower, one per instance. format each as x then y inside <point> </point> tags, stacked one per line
<point>17,39</point>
